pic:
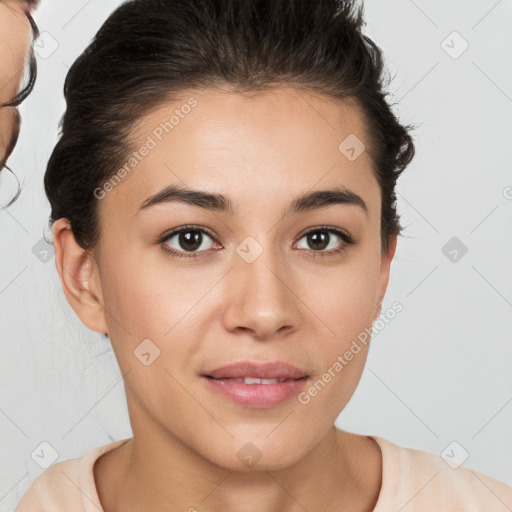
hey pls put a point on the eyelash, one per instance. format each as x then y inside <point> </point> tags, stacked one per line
<point>347,241</point>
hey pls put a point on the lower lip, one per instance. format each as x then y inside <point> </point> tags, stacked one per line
<point>259,396</point>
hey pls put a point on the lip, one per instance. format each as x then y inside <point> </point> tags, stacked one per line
<point>273,370</point>
<point>258,396</point>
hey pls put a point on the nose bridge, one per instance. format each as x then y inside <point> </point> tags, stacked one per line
<point>260,298</point>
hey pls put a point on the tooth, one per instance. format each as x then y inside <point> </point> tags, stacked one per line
<point>252,380</point>
<point>255,380</point>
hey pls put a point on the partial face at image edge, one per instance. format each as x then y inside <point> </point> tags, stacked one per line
<point>17,31</point>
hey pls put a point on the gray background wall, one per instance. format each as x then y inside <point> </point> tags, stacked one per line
<point>438,373</point>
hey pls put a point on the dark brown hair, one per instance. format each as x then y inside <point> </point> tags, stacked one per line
<point>148,51</point>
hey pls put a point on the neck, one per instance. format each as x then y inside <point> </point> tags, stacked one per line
<point>159,472</point>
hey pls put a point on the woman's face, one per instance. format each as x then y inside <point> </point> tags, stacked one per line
<point>247,284</point>
<point>15,37</point>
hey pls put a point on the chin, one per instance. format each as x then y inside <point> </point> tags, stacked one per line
<point>243,455</point>
<point>253,464</point>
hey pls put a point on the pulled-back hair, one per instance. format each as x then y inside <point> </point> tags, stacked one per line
<point>149,51</point>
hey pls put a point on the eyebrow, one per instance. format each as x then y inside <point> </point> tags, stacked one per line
<point>221,203</point>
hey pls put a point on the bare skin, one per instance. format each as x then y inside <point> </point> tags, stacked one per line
<point>349,478</point>
<point>289,304</point>
<point>15,38</point>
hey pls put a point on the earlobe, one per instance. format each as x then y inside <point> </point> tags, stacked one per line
<point>79,277</point>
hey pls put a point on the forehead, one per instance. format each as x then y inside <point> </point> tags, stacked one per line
<point>279,107</point>
<point>281,140</point>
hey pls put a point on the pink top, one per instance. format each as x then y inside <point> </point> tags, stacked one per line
<point>412,480</point>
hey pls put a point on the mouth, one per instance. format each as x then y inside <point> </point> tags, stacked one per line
<point>257,370</point>
<point>257,385</point>
<point>254,380</point>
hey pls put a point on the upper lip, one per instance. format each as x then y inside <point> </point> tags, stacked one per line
<point>274,370</point>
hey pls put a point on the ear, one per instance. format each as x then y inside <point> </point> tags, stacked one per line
<point>79,277</point>
<point>385,265</point>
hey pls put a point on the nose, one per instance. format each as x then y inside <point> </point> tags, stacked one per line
<point>261,299</point>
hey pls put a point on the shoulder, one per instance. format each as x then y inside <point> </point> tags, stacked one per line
<point>53,487</point>
<point>66,485</point>
<point>423,481</point>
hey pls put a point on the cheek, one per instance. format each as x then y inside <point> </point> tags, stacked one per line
<point>152,301</point>
<point>344,300</point>
<point>153,327</point>
<point>146,299</point>
<point>344,306</point>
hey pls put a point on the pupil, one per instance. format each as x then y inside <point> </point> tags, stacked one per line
<point>318,240</point>
<point>190,240</point>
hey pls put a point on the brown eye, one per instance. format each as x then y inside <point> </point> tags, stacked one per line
<point>326,241</point>
<point>187,240</point>
<point>318,240</point>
